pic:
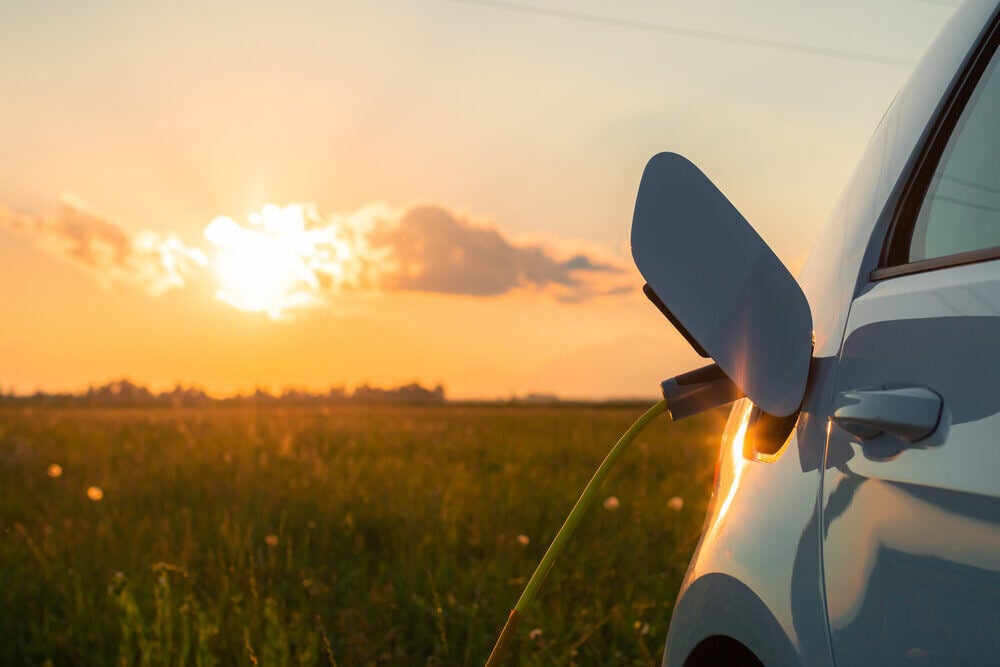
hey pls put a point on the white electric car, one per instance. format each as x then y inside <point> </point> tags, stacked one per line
<point>856,513</point>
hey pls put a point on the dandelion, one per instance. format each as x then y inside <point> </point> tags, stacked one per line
<point>54,470</point>
<point>272,540</point>
<point>523,540</point>
<point>95,493</point>
<point>675,503</point>
<point>611,503</point>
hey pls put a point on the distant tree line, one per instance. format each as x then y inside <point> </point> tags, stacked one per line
<point>127,393</point>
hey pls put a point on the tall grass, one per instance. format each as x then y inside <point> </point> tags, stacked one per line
<point>343,536</point>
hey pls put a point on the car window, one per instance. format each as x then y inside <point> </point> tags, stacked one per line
<point>961,210</point>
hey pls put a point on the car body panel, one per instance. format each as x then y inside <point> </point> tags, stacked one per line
<point>762,546</point>
<point>761,532</point>
<point>912,530</point>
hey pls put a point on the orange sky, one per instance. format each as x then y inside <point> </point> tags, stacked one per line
<point>474,167</point>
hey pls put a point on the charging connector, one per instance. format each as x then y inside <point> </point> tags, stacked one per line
<point>698,390</point>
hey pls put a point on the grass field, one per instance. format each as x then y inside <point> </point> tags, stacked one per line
<point>345,535</point>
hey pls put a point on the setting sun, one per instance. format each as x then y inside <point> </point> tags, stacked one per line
<point>257,270</point>
<point>282,260</point>
<point>255,276</point>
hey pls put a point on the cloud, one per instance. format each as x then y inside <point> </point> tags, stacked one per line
<point>284,259</point>
<point>434,249</point>
<point>152,261</point>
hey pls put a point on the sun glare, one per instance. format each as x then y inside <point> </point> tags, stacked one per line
<point>285,258</point>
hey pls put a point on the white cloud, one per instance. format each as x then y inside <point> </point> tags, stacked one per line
<point>283,259</point>
<point>152,261</point>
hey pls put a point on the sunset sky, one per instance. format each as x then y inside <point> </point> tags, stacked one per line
<point>307,194</point>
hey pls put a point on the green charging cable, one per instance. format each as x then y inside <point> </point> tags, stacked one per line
<point>584,502</point>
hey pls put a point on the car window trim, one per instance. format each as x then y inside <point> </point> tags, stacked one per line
<point>923,265</point>
<point>893,260</point>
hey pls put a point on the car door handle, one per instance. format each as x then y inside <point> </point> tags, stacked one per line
<point>909,413</point>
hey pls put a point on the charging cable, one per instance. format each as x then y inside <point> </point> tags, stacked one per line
<point>562,537</point>
<point>684,395</point>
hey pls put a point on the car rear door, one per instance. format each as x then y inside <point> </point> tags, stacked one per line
<point>911,497</point>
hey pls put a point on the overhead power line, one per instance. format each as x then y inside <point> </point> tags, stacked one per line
<point>939,3</point>
<point>691,33</point>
